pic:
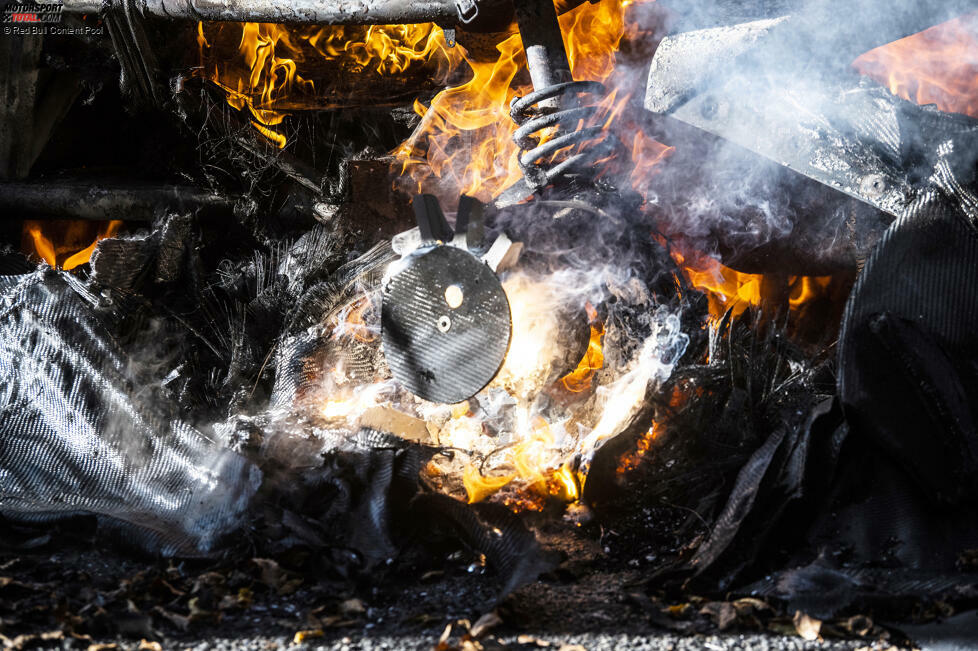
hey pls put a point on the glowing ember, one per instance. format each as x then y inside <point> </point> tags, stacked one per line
<point>936,66</point>
<point>630,460</point>
<point>65,244</point>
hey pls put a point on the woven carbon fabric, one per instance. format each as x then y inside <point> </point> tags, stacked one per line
<point>908,353</point>
<point>78,433</point>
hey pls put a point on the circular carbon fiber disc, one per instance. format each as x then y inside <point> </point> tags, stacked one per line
<point>445,325</point>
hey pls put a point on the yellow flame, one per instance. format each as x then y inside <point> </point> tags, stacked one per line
<point>478,487</point>
<point>464,143</point>
<point>42,245</point>
<point>70,242</point>
<point>265,74</point>
<point>728,289</point>
<point>806,288</point>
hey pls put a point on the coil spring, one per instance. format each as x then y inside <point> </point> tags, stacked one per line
<point>531,118</point>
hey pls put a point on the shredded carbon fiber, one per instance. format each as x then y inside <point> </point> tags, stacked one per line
<point>79,435</point>
<point>303,345</point>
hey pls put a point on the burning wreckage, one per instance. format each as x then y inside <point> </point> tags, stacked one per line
<point>382,280</point>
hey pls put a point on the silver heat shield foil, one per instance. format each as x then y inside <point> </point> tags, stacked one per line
<point>79,433</point>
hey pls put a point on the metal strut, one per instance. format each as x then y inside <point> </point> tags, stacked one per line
<point>556,101</point>
<point>532,114</point>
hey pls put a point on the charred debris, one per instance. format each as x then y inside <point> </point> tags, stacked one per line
<point>819,459</point>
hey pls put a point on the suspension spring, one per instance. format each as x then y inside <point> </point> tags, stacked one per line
<point>558,106</point>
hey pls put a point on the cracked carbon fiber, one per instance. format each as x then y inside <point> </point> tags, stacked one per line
<point>81,433</point>
<point>437,352</point>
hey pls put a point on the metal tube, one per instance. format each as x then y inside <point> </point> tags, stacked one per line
<point>492,15</point>
<point>324,12</point>
<point>76,199</point>
<point>546,58</point>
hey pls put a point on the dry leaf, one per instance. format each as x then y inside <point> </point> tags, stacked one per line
<point>722,613</point>
<point>301,636</point>
<point>199,614</point>
<point>179,621</point>
<point>146,645</point>
<point>860,625</point>
<point>677,609</point>
<point>807,627</point>
<point>352,607</point>
<point>748,605</point>
<point>30,641</point>
<point>443,640</point>
<point>485,623</point>
<point>271,574</point>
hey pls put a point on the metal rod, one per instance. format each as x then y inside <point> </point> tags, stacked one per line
<point>491,15</point>
<point>76,199</point>
<point>540,30</point>
<point>325,12</point>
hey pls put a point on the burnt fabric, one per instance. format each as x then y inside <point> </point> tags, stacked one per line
<point>82,433</point>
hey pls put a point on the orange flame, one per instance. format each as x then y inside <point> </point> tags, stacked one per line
<point>42,245</point>
<point>936,66</point>
<point>70,242</point>
<point>647,154</point>
<point>464,143</point>
<point>533,462</point>
<point>579,380</point>
<point>727,289</point>
<point>630,460</point>
<point>265,76</point>
<point>805,288</point>
<point>352,321</point>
